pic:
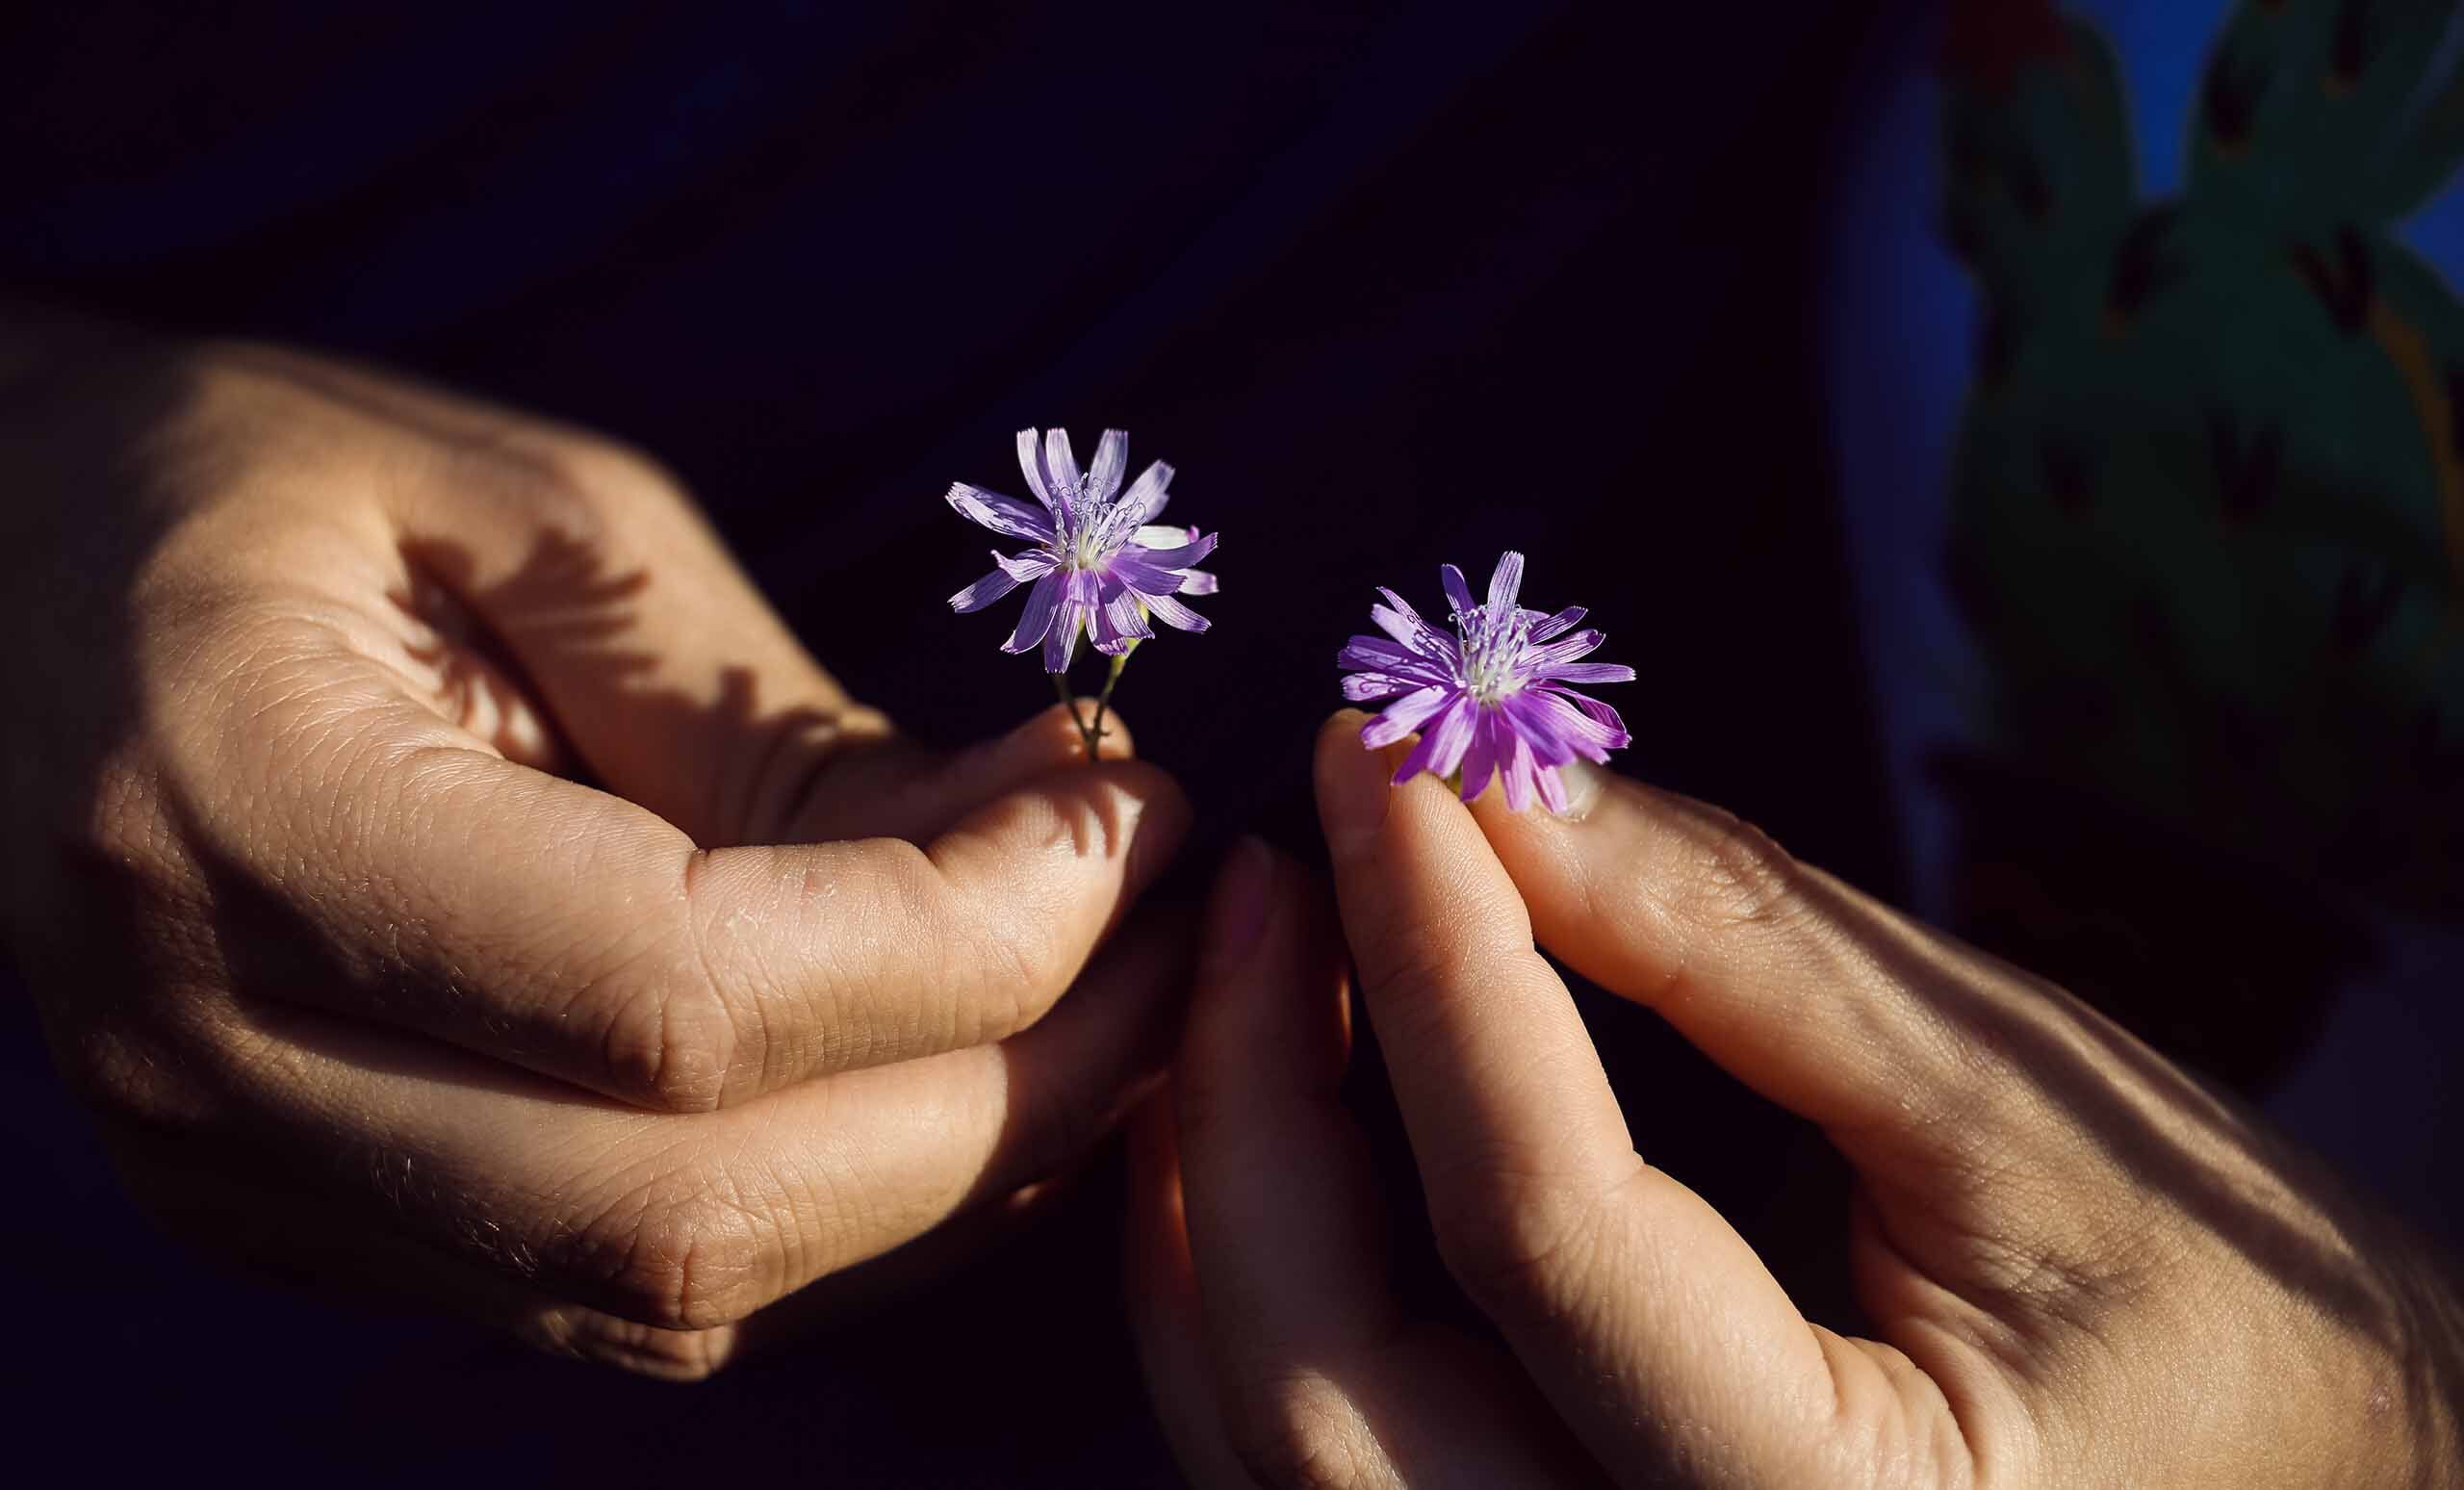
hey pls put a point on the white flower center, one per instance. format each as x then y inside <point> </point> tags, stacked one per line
<point>1492,646</point>
<point>1095,532</point>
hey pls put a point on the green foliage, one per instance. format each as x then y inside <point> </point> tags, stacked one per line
<point>2208,511</point>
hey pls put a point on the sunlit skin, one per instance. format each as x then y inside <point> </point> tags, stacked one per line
<point>2083,1267</point>
<point>364,988</point>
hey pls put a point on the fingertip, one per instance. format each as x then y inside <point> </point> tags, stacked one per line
<point>1060,732</point>
<point>1339,742</point>
<point>1111,807</point>
<point>1164,816</point>
<point>1353,784</point>
<point>1238,911</point>
<point>1341,726</point>
<point>1050,739</point>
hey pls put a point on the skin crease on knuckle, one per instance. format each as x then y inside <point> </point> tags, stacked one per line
<point>1001,971</point>
<point>1522,1244</point>
<point>670,1038</point>
<point>679,1249</point>
<point>1297,1429</point>
<point>675,1355</point>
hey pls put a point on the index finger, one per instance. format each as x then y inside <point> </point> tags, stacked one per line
<point>1650,1324</point>
<point>1829,1003</point>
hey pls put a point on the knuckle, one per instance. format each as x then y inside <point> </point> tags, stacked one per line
<point>1518,1243</point>
<point>1300,1431</point>
<point>671,1040</point>
<point>1019,972</point>
<point>1406,961</point>
<point>683,1255</point>
<point>1413,964</point>
<point>1740,877</point>
<point>123,826</point>
<point>1002,972</point>
<point>676,1356</point>
<point>139,1082</point>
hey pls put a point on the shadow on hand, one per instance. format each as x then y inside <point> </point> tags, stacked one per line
<point>2172,1137</point>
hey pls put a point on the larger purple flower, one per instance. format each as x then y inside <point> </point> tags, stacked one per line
<point>1493,698</point>
<point>1099,563</point>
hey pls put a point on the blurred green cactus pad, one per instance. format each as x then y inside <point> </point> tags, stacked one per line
<point>2207,502</point>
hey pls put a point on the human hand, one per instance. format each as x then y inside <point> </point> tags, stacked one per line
<point>2082,1267</point>
<point>362,989</point>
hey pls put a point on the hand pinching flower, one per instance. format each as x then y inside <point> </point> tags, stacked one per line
<point>1493,698</point>
<point>1099,564</point>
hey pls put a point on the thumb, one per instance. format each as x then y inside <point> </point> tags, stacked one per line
<point>893,788</point>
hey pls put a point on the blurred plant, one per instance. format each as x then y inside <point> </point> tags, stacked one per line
<point>2208,511</point>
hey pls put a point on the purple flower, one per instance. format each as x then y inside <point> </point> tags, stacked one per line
<point>1493,697</point>
<point>1099,563</point>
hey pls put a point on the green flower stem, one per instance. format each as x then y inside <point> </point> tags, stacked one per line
<point>1104,700</point>
<point>1060,691</point>
<point>1094,734</point>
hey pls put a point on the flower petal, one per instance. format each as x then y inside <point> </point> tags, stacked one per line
<point>1405,715</point>
<point>1536,660</point>
<point>984,591</point>
<point>1479,761</point>
<point>1532,719</point>
<point>1506,582</point>
<point>1597,711</point>
<point>1032,465</point>
<point>1060,643</point>
<point>1378,655</point>
<point>1132,568</point>
<point>1558,624</point>
<point>1028,566</point>
<point>1370,687</point>
<point>1061,470</point>
<point>1112,458</point>
<point>1552,790</point>
<point>1435,649</point>
<point>1119,622</point>
<point>1589,673</point>
<point>1563,731</point>
<point>1197,581</point>
<point>1458,592</point>
<point>1163,535</point>
<point>1036,621</point>
<point>1173,613</point>
<point>1443,743</point>
<point>1146,496</point>
<point>1001,514</point>
<point>1518,769</point>
<point>1182,558</point>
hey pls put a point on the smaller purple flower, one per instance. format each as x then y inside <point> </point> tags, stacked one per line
<point>1100,563</point>
<point>1491,699</point>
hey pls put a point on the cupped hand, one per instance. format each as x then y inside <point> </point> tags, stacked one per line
<point>2081,1267</point>
<point>309,669</point>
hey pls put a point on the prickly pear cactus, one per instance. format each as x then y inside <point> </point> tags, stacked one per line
<point>2208,496</point>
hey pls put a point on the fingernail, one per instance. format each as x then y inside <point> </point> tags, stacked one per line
<point>1583,782</point>
<point>1240,896</point>
<point>1353,798</point>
